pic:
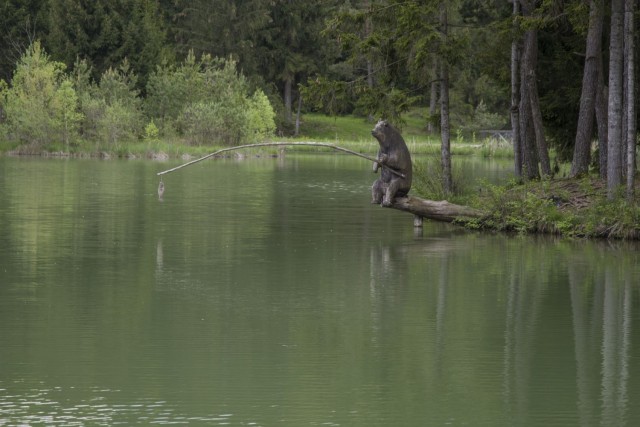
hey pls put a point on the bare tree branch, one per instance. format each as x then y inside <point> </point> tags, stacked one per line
<point>276,144</point>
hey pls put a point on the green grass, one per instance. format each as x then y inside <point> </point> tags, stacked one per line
<point>350,132</point>
<point>356,129</point>
<point>566,207</point>
<point>354,133</point>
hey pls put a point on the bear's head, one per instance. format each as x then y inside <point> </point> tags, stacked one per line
<point>381,130</point>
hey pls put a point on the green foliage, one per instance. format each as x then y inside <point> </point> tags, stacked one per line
<point>260,118</point>
<point>330,96</point>
<point>105,33</point>
<point>207,102</point>
<point>516,208</point>
<point>209,122</point>
<point>65,108</point>
<point>41,104</point>
<point>612,218</point>
<point>428,177</point>
<point>151,132</point>
<point>112,107</point>
<point>20,24</point>
<point>545,207</point>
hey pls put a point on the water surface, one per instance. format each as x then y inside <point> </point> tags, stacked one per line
<point>269,292</point>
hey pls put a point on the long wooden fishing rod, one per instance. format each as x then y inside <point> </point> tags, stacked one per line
<point>272,144</point>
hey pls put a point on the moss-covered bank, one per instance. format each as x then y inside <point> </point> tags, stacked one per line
<point>567,207</point>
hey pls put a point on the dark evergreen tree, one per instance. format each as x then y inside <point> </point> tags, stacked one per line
<point>220,28</point>
<point>105,32</point>
<point>292,46</point>
<point>21,23</point>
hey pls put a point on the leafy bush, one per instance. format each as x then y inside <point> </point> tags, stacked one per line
<point>260,118</point>
<point>151,132</point>
<point>206,101</point>
<point>65,111</point>
<point>41,106</point>
<point>112,108</point>
<point>120,118</point>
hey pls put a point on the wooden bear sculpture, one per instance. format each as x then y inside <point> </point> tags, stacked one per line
<point>393,154</point>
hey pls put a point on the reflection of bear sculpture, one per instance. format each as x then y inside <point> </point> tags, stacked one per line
<point>393,154</point>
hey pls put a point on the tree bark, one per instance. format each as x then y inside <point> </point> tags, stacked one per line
<point>528,143</point>
<point>536,115</point>
<point>630,99</point>
<point>297,128</point>
<point>529,157</point>
<point>602,95</point>
<point>515,96</point>
<point>368,28</point>
<point>445,149</point>
<point>614,143</point>
<point>435,210</point>
<point>433,99</point>
<point>584,132</point>
<point>288,83</point>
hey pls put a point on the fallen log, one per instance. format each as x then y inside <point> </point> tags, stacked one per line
<point>435,210</point>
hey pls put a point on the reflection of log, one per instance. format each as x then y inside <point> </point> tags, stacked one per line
<point>435,210</point>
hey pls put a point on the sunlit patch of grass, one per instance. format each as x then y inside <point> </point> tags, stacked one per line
<point>324,128</point>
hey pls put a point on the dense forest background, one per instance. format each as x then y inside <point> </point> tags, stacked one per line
<point>281,45</point>
<point>209,69</point>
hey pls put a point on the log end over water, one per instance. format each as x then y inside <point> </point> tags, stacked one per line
<point>435,210</point>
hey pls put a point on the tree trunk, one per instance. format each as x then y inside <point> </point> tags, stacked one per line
<point>369,57</point>
<point>536,115</point>
<point>433,99</point>
<point>297,129</point>
<point>288,83</point>
<point>614,143</point>
<point>447,180</point>
<point>528,124</point>
<point>528,149</point>
<point>630,111</point>
<point>515,96</point>
<point>435,210</point>
<point>582,147</point>
<point>530,81</point>
<point>602,95</point>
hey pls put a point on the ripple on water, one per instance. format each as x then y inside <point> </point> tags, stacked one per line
<point>41,407</point>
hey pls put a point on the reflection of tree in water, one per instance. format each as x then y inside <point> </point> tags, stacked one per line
<point>390,278</point>
<point>387,278</point>
<point>615,349</point>
<point>586,306</point>
<point>159,257</point>
<point>524,297</point>
<point>601,302</point>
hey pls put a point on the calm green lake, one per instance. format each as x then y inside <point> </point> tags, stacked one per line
<point>269,292</point>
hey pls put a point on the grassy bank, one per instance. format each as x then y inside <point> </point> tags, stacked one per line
<point>353,133</point>
<point>564,207</point>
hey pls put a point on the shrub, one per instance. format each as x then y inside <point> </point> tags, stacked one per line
<point>261,118</point>
<point>207,102</point>
<point>119,116</point>
<point>41,106</point>
<point>111,108</point>
<point>151,132</point>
